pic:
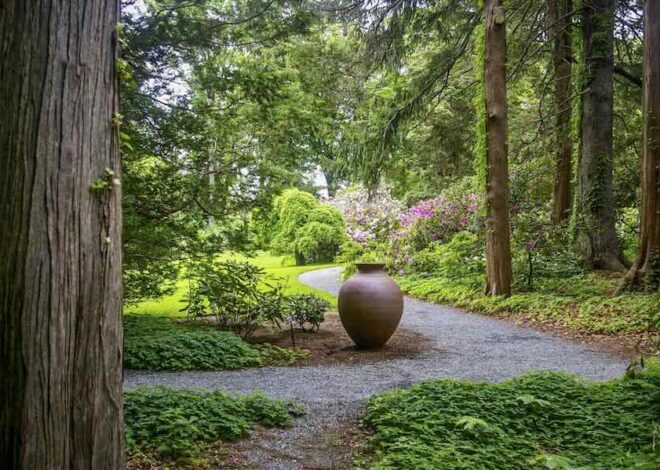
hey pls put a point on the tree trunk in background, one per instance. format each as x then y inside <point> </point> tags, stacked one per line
<point>596,241</point>
<point>560,19</point>
<point>645,272</point>
<point>498,249</point>
<point>60,266</point>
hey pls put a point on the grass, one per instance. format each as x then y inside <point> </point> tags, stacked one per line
<point>281,267</point>
<point>539,420</point>
<point>168,423</point>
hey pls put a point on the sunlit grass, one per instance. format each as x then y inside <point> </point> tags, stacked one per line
<point>282,268</point>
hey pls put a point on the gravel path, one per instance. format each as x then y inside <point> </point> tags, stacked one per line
<point>467,346</point>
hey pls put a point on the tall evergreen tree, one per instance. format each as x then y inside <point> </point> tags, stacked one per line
<point>646,268</point>
<point>560,26</point>
<point>498,248</point>
<point>596,241</point>
<point>60,269</point>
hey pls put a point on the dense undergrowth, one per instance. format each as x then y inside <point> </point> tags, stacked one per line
<point>162,343</point>
<point>181,423</point>
<point>583,304</point>
<point>539,420</point>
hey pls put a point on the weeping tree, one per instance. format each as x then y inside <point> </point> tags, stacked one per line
<point>60,269</point>
<point>495,160</point>
<point>645,271</point>
<point>595,236</point>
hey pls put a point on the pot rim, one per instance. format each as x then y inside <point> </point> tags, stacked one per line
<point>370,267</point>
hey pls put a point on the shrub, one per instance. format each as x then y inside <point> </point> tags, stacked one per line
<point>540,249</point>
<point>438,220</point>
<point>307,309</point>
<point>180,423</point>
<point>309,230</point>
<point>533,421</point>
<point>234,292</point>
<point>627,228</point>
<point>316,243</point>
<point>158,343</point>
<point>461,259</point>
<point>368,217</point>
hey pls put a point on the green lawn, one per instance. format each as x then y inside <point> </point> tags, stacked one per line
<point>281,267</point>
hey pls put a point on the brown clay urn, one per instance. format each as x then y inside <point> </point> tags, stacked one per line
<point>370,306</point>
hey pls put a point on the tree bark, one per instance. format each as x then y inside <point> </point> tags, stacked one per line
<point>498,249</point>
<point>60,236</point>
<point>645,271</point>
<point>560,19</point>
<point>595,240</point>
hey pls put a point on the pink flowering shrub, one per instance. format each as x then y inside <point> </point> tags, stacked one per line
<point>438,220</point>
<point>408,240</point>
<point>368,219</point>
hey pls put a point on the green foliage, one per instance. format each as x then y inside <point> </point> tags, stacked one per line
<point>276,267</point>
<point>376,252</point>
<point>181,423</point>
<point>160,343</point>
<point>583,304</point>
<point>541,250</point>
<point>318,242</point>
<point>461,258</point>
<point>413,125</point>
<point>307,309</point>
<point>628,231</point>
<point>248,117</point>
<point>539,420</point>
<point>309,230</point>
<point>105,182</point>
<point>237,293</point>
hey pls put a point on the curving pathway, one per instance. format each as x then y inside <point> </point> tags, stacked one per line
<point>467,346</point>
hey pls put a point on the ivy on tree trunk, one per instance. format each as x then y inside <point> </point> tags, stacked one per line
<point>60,269</point>
<point>595,235</point>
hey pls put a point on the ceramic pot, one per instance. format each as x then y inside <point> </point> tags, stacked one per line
<point>370,306</point>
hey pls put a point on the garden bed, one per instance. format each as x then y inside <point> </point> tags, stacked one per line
<point>331,344</point>
<point>164,343</point>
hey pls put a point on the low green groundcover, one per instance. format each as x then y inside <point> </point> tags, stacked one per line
<point>180,423</point>
<point>582,304</point>
<point>158,343</point>
<point>539,420</point>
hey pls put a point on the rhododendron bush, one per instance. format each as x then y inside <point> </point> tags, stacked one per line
<point>368,217</point>
<point>438,220</point>
<point>381,228</point>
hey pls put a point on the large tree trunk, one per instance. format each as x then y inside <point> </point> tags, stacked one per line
<point>498,249</point>
<point>645,272</point>
<point>560,19</point>
<point>60,237</point>
<point>596,241</point>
